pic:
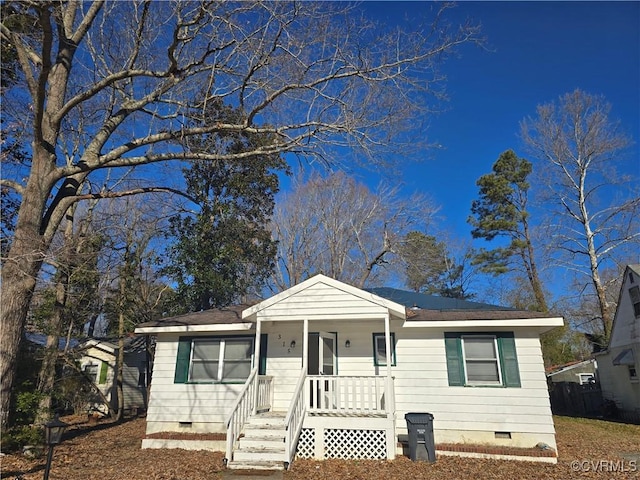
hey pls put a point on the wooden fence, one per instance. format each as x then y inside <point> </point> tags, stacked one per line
<point>575,400</point>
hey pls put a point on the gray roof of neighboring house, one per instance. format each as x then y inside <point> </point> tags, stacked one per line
<point>40,339</point>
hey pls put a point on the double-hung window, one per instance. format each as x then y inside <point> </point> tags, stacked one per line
<point>482,359</point>
<point>214,359</point>
<point>482,366</point>
<point>380,349</point>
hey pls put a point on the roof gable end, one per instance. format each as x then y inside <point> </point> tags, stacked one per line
<point>322,280</point>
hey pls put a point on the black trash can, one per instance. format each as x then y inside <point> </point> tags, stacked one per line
<point>421,444</point>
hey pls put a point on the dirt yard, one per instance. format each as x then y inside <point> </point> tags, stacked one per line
<point>588,449</point>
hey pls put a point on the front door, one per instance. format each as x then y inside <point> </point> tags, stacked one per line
<point>322,354</point>
<point>321,361</point>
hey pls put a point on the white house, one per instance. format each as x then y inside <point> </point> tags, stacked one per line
<point>98,362</point>
<point>327,370</point>
<point>618,366</point>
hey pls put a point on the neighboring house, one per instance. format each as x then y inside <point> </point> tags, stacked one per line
<point>98,362</point>
<point>574,389</point>
<point>580,372</point>
<point>337,368</point>
<point>619,364</point>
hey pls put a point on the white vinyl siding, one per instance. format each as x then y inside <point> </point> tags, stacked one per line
<point>206,405</point>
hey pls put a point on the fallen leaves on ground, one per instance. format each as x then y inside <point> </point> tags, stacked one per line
<point>112,451</point>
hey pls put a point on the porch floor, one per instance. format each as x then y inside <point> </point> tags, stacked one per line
<point>327,413</point>
<point>346,413</point>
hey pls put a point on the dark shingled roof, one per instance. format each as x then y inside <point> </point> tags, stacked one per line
<point>215,316</point>
<point>421,306</point>
<point>430,302</point>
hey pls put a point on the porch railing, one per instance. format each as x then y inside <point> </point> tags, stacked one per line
<point>265,393</point>
<point>295,417</point>
<point>241,410</point>
<point>350,394</point>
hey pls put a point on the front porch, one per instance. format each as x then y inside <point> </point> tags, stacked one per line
<point>330,416</point>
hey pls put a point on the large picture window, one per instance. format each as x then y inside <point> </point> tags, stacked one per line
<point>214,359</point>
<point>482,359</point>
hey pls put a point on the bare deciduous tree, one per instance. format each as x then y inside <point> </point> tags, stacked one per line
<point>124,84</point>
<point>595,209</point>
<point>337,226</point>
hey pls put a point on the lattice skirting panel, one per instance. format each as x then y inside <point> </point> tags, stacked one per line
<point>344,443</point>
<point>306,443</point>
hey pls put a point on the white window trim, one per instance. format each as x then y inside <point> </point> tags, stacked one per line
<point>496,360</point>
<point>380,337</point>
<point>95,378</point>
<point>222,341</point>
<point>585,378</point>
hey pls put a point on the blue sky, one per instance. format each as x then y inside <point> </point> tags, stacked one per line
<point>536,52</point>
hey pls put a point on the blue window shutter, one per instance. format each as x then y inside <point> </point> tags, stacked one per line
<point>509,360</point>
<point>455,369</point>
<point>182,360</point>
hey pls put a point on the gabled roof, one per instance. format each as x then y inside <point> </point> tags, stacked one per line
<point>624,290</point>
<point>393,307</point>
<point>110,344</point>
<point>556,369</point>
<point>418,310</point>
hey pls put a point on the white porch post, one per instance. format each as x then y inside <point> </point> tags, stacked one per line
<point>305,344</point>
<point>256,357</point>
<point>390,404</point>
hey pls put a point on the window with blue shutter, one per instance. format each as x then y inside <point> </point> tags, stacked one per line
<point>482,359</point>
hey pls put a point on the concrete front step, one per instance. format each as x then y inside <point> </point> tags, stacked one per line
<point>255,465</point>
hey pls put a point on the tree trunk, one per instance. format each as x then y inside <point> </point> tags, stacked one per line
<point>19,274</point>
<point>120,358</point>
<point>536,285</point>
<point>47,375</point>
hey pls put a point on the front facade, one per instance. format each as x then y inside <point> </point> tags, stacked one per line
<point>343,366</point>
<point>619,365</point>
